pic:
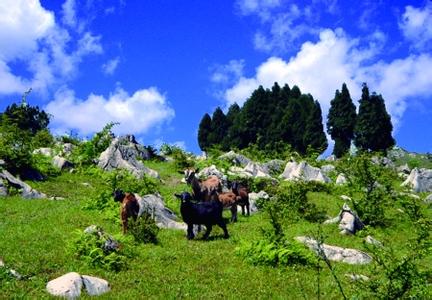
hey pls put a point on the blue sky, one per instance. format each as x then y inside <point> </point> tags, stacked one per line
<point>157,66</point>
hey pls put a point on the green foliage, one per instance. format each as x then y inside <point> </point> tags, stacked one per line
<point>373,127</point>
<point>144,229</point>
<point>44,165</point>
<point>204,130</point>
<point>104,204</point>
<point>291,202</point>
<point>122,179</point>
<point>93,249</point>
<point>341,121</point>
<point>85,152</point>
<point>369,186</point>
<point>43,138</point>
<point>15,147</point>
<point>314,137</point>
<point>182,160</point>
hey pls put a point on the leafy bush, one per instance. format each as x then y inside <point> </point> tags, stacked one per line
<point>98,250</point>
<point>42,138</point>
<point>15,148</point>
<point>44,165</point>
<point>105,204</point>
<point>144,229</point>
<point>122,179</point>
<point>369,186</point>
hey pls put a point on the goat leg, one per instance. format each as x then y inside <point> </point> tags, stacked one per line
<point>234,213</point>
<point>208,230</point>
<point>222,225</point>
<point>190,234</point>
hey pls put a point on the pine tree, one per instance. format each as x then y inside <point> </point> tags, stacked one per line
<point>204,131</point>
<point>314,136</point>
<point>232,115</point>
<point>373,127</point>
<point>219,127</point>
<point>341,121</point>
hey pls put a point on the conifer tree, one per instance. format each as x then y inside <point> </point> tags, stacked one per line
<point>232,117</point>
<point>204,131</point>
<point>314,136</point>
<point>373,127</point>
<point>219,127</point>
<point>341,121</point>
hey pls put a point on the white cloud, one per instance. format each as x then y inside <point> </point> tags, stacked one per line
<point>146,109</point>
<point>321,68</point>
<point>248,7</point>
<point>229,72</point>
<point>69,13</point>
<point>30,35</point>
<point>416,25</point>
<point>110,66</point>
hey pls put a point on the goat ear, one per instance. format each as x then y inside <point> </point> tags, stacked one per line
<point>178,196</point>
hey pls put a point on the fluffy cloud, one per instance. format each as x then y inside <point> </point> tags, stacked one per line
<point>321,68</point>
<point>30,36</point>
<point>226,73</point>
<point>416,25</point>
<point>110,66</point>
<point>145,109</point>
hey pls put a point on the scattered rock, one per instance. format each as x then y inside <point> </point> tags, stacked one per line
<point>69,285</point>
<point>303,171</point>
<point>11,271</point>
<point>274,166</point>
<point>62,163</point>
<point>428,199</point>
<point>124,153</point>
<point>357,277</point>
<point>349,222</point>
<point>67,149</point>
<point>49,152</point>
<point>3,189</point>
<point>26,191</point>
<point>334,253</point>
<point>235,158</point>
<point>250,170</point>
<point>370,240</point>
<point>341,179</point>
<point>383,161</point>
<point>327,169</point>
<point>403,169</point>
<point>414,196</point>
<point>346,198</point>
<point>95,286</point>
<point>110,244</point>
<point>164,217</point>
<point>253,198</point>
<point>56,198</point>
<point>420,180</point>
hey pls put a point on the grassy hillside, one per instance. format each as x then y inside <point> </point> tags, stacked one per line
<point>35,234</point>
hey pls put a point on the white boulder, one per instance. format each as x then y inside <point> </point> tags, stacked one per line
<point>303,171</point>
<point>420,180</point>
<point>69,286</point>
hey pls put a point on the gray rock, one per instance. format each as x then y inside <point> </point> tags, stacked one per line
<point>370,240</point>
<point>327,169</point>
<point>62,163</point>
<point>303,171</point>
<point>349,222</point>
<point>428,199</point>
<point>341,179</point>
<point>334,253</point>
<point>274,166</point>
<point>11,271</point>
<point>67,149</point>
<point>357,277</point>
<point>253,198</point>
<point>252,169</point>
<point>56,198</point>
<point>404,169</point>
<point>67,286</point>
<point>124,153</point>
<point>155,206</point>
<point>235,158</point>
<point>383,161</point>
<point>95,286</point>
<point>110,244</point>
<point>49,152</point>
<point>420,180</point>
<point>3,189</point>
<point>27,191</point>
<point>396,153</point>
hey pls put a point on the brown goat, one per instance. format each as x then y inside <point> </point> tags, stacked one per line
<point>129,207</point>
<point>229,200</point>
<point>243,193</point>
<point>201,189</point>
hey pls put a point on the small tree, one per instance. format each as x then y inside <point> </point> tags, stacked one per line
<point>204,131</point>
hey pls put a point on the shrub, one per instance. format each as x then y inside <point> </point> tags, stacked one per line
<point>44,165</point>
<point>42,138</point>
<point>98,250</point>
<point>144,229</point>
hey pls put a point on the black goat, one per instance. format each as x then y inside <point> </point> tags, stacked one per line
<point>207,213</point>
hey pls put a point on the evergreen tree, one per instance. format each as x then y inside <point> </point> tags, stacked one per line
<point>219,127</point>
<point>204,131</point>
<point>373,127</point>
<point>232,115</point>
<point>26,117</point>
<point>314,136</point>
<point>341,121</point>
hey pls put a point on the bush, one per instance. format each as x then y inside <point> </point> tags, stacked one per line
<point>44,165</point>
<point>144,229</point>
<point>42,138</point>
<point>98,250</point>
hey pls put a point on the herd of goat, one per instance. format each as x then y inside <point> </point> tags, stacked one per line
<point>204,206</point>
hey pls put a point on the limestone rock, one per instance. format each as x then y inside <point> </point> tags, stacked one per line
<point>327,169</point>
<point>403,169</point>
<point>357,277</point>
<point>370,240</point>
<point>253,198</point>
<point>3,189</point>
<point>110,244</point>
<point>420,180</point>
<point>124,153</point>
<point>95,286</point>
<point>62,163</point>
<point>303,171</point>
<point>44,151</point>
<point>274,166</point>
<point>252,169</point>
<point>26,191</point>
<point>155,206</point>
<point>428,199</point>
<point>341,179</point>
<point>334,253</point>
<point>237,159</point>
<point>67,286</point>
<point>349,222</point>
<point>67,149</point>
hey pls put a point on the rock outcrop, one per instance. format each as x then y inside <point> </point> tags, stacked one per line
<point>349,222</point>
<point>334,253</point>
<point>27,191</point>
<point>303,171</point>
<point>154,205</point>
<point>341,179</point>
<point>69,286</point>
<point>235,158</point>
<point>253,198</point>
<point>125,153</point>
<point>250,170</point>
<point>420,180</point>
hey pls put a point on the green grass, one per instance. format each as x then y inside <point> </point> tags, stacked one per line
<point>34,235</point>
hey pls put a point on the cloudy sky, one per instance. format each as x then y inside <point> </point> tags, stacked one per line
<point>157,66</point>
